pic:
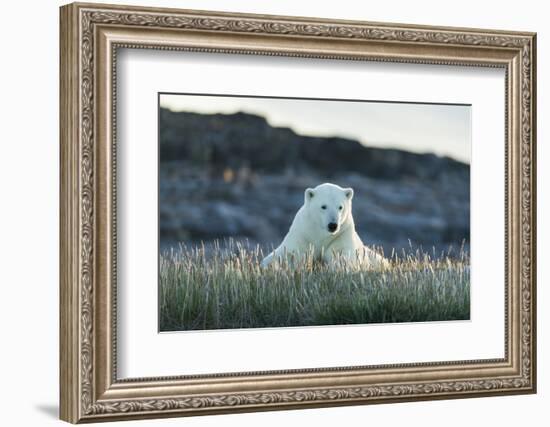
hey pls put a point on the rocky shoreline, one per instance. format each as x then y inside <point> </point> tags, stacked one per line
<point>234,176</point>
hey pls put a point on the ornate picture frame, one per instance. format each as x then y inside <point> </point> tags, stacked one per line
<point>90,37</point>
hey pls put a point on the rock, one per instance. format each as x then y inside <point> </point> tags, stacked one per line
<point>235,176</point>
<point>220,141</point>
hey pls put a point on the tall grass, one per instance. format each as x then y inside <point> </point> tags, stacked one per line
<point>227,288</point>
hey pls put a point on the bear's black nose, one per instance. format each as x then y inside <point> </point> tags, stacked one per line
<point>332,227</point>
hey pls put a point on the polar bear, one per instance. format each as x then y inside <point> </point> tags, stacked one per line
<point>324,227</point>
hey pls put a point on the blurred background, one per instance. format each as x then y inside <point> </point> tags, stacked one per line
<point>237,167</point>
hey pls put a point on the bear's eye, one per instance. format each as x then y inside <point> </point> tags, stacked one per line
<point>324,207</point>
<point>340,208</point>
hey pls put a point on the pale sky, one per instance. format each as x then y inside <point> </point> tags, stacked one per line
<point>422,128</point>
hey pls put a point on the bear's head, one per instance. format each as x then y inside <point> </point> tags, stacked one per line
<point>328,207</point>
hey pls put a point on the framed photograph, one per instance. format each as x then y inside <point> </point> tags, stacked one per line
<point>267,212</point>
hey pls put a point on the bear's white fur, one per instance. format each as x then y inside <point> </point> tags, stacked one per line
<point>324,227</point>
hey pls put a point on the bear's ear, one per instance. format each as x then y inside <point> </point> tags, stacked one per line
<point>308,195</point>
<point>349,193</point>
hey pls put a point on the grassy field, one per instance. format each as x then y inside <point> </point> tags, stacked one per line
<point>228,289</point>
